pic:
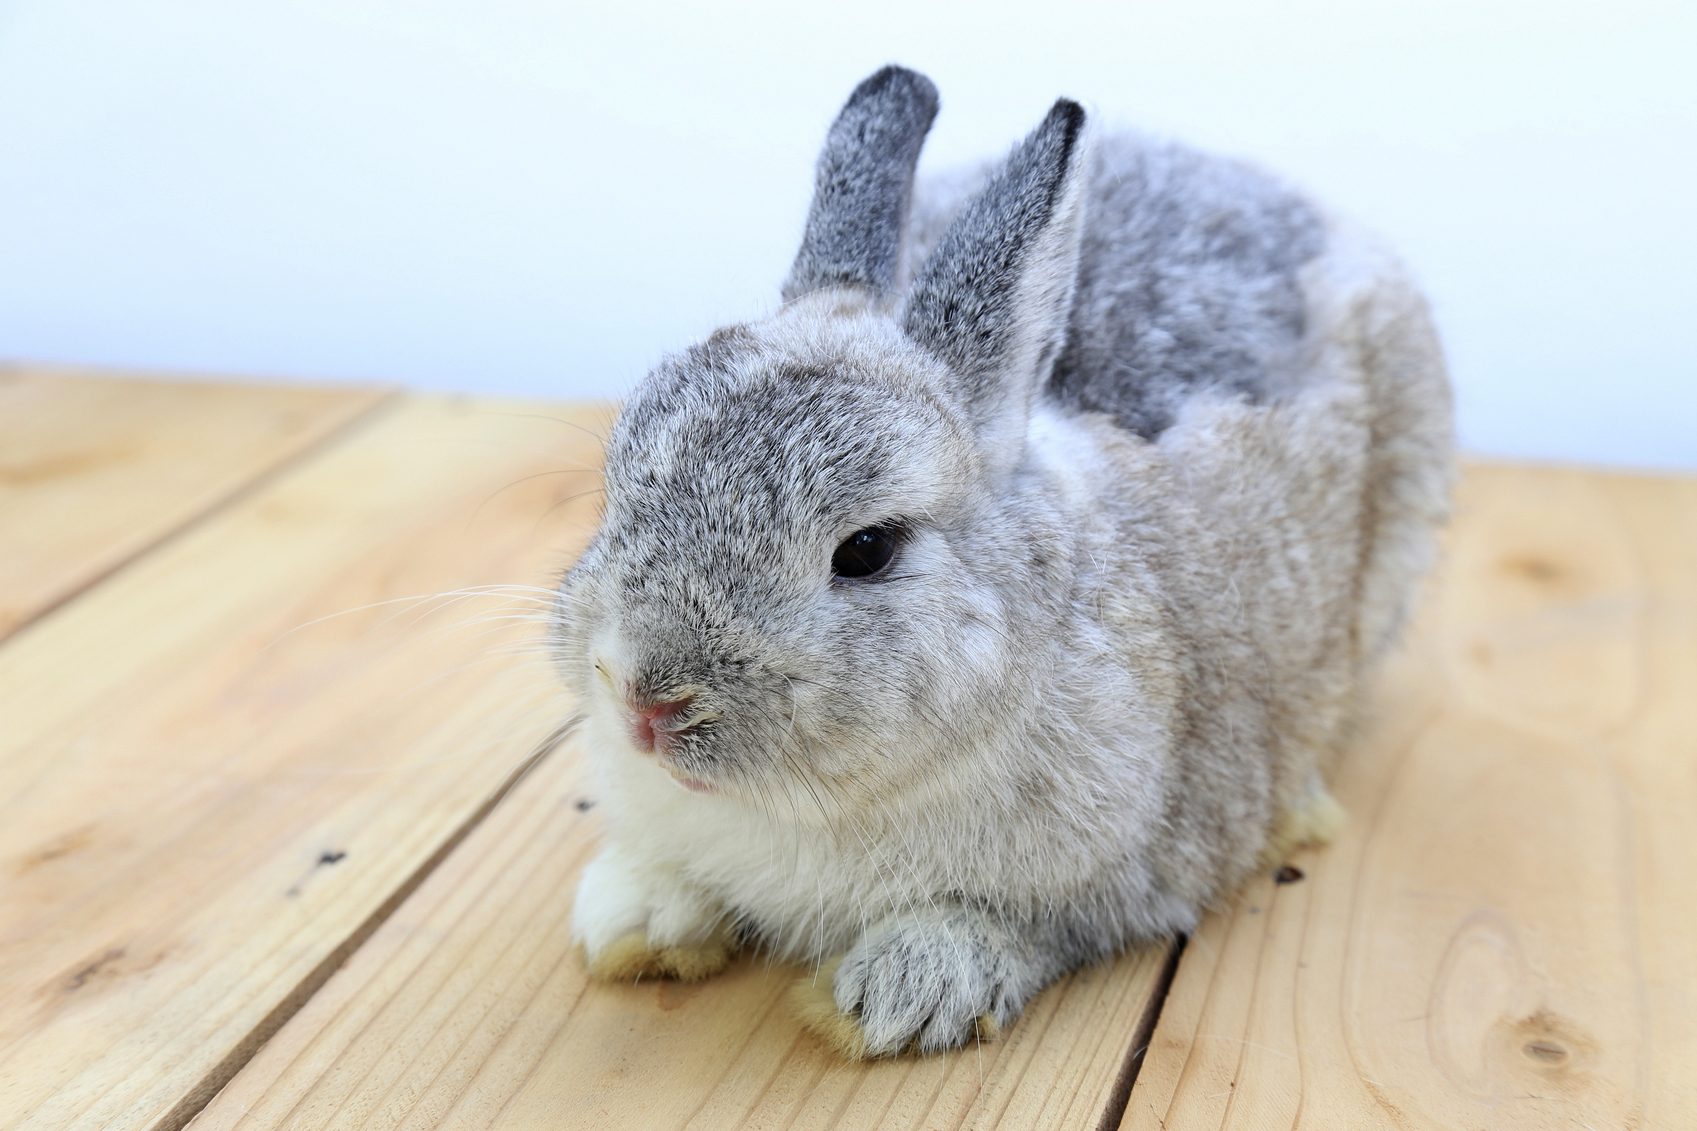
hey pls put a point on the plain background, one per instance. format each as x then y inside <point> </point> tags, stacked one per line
<point>541,198</point>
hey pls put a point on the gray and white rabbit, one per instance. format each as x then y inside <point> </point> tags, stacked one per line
<point>959,625</point>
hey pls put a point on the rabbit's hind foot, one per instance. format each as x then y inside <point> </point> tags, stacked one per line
<point>631,957</point>
<point>1313,822</point>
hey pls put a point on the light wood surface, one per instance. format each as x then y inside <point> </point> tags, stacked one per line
<point>263,823</point>
<point>94,470</point>
<point>1504,936</point>
<point>208,795</point>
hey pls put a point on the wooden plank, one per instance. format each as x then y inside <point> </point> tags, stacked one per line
<point>469,1008</point>
<point>1503,937</point>
<point>94,469</point>
<point>1656,760</point>
<point>208,796</point>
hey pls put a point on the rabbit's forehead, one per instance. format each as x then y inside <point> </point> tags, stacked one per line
<point>731,493</point>
<point>791,443</point>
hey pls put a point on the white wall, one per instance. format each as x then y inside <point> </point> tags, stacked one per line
<point>540,198</point>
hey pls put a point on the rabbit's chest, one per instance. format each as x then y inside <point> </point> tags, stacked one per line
<point>808,890</point>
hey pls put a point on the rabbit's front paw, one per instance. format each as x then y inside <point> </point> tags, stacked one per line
<point>635,919</point>
<point>921,982</point>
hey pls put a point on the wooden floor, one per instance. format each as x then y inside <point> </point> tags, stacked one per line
<point>287,839</point>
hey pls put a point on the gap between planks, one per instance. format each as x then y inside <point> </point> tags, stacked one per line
<point>1121,1095</point>
<point>213,1082</point>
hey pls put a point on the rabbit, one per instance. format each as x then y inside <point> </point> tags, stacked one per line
<point>999,602</point>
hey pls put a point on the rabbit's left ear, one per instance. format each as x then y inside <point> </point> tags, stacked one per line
<point>995,295</point>
<point>863,186</point>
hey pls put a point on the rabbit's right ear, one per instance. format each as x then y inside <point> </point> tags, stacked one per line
<point>993,299</point>
<point>863,185</point>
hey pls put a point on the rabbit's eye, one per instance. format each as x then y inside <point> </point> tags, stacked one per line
<point>864,552</point>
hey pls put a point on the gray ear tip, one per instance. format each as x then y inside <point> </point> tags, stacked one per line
<point>898,84</point>
<point>1067,117</point>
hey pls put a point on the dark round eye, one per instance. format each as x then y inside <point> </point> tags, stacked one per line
<point>864,552</point>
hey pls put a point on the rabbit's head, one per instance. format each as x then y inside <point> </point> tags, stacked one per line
<point>824,571</point>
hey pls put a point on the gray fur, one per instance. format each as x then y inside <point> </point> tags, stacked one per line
<point>1188,278</point>
<point>862,186</point>
<point>901,983</point>
<point>1126,626</point>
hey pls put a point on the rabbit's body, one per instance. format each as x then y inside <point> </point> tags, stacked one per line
<point>1160,449</point>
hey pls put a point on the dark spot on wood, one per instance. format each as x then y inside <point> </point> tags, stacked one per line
<point>81,977</point>
<point>65,845</point>
<point>326,858</point>
<point>1553,1046</point>
<point>583,804</point>
<point>1533,569</point>
<point>1288,874</point>
<point>1547,1051</point>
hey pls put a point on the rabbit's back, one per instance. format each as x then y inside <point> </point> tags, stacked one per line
<point>1188,279</point>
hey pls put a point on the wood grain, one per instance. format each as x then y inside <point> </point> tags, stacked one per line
<point>1504,935</point>
<point>248,797</point>
<point>209,795</point>
<point>95,469</point>
<point>469,1008</point>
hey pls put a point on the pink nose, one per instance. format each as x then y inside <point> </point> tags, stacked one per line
<point>652,727</point>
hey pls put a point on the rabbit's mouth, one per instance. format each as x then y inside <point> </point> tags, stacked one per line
<point>658,725</point>
<point>694,785</point>
<point>663,728</point>
<point>668,753</point>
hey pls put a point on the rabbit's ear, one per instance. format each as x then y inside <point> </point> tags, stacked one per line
<point>994,297</point>
<point>863,184</point>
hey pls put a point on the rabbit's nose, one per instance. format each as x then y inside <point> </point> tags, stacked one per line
<point>652,725</point>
